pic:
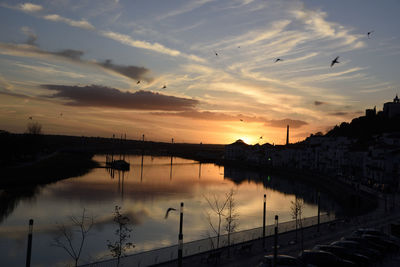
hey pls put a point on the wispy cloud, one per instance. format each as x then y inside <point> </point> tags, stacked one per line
<point>189,6</point>
<point>101,96</point>
<point>316,22</point>
<point>127,40</point>
<point>84,24</point>
<point>221,116</point>
<point>29,7</point>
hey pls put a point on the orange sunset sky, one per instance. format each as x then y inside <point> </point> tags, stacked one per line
<point>196,71</point>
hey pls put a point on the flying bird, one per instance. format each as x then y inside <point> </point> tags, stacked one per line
<point>168,210</point>
<point>164,87</point>
<point>278,59</point>
<point>30,118</point>
<point>138,82</point>
<point>334,61</point>
<point>241,120</point>
<point>261,137</point>
<point>216,54</point>
<point>369,33</point>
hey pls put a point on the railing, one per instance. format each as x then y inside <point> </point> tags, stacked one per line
<point>195,247</point>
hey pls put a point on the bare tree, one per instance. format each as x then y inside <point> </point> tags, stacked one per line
<point>218,207</point>
<point>231,219</point>
<point>34,128</point>
<point>297,212</point>
<point>65,239</point>
<point>118,247</point>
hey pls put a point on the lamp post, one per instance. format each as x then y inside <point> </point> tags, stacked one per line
<point>28,253</point>
<point>180,237</point>
<point>276,240</point>
<point>264,221</point>
<point>319,200</point>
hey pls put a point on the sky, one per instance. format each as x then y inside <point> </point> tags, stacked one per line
<point>195,70</point>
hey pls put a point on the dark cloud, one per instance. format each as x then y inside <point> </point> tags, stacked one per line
<point>346,113</point>
<point>133,72</point>
<point>283,123</point>
<point>318,103</point>
<point>340,113</point>
<point>69,53</point>
<point>101,96</point>
<point>32,37</point>
<point>31,50</point>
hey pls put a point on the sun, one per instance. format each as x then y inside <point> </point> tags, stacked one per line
<point>246,139</point>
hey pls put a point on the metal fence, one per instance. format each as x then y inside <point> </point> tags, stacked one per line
<point>199,246</point>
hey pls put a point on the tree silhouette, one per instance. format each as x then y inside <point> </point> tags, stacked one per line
<point>118,247</point>
<point>65,239</point>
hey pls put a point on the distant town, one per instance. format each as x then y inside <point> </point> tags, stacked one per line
<point>366,151</point>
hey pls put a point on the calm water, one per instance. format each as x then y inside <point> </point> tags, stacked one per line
<point>144,194</point>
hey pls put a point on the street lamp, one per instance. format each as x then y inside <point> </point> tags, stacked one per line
<point>28,253</point>
<point>276,240</point>
<point>180,237</point>
<point>264,220</point>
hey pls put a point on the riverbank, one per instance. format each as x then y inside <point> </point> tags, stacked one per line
<point>58,166</point>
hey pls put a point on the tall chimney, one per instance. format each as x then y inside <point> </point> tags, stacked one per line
<point>287,135</point>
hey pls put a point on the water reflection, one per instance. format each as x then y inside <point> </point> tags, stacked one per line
<point>285,185</point>
<point>145,192</point>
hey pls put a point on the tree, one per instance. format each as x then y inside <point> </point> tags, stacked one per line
<point>65,237</point>
<point>224,209</point>
<point>217,206</point>
<point>297,212</point>
<point>118,247</point>
<point>232,216</point>
<point>34,128</point>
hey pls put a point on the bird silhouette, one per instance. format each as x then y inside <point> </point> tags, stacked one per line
<point>334,61</point>
<point>138,82</point>
<point>164,87</point>
<point>168,210</point>
<point>241,120</point>
<point>369,33</point>
<point>216,54</point>
<point>30,118</point>
<point>278,59</point>
<point>261,137</point>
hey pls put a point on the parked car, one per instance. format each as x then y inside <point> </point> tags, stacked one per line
<point>358,259</point>
<point>367,244</point>
<point>376,232</point>
<point>388,245</point>
<point>321,258</point>
<point>356,247</point>
<point>281,261</point>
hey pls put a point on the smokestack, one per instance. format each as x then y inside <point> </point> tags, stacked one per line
<point>287,135</point>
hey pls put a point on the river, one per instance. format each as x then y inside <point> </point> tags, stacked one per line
<point>144,194</point>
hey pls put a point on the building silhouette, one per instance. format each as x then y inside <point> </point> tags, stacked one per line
<point>392,109</point>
